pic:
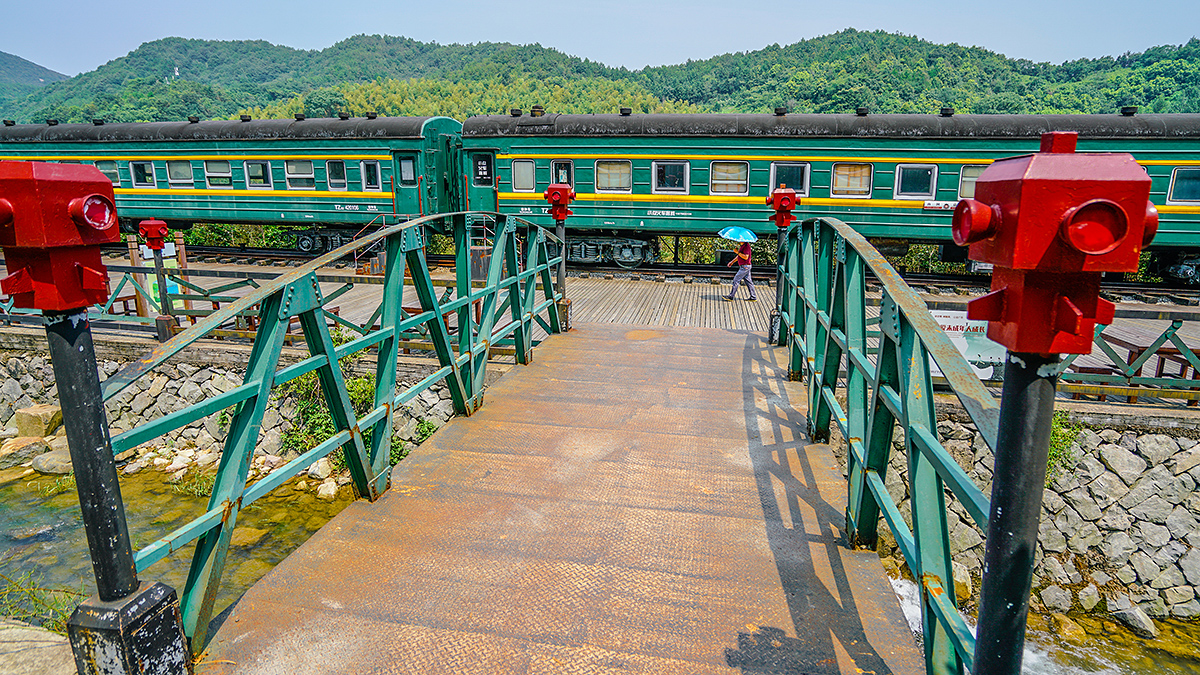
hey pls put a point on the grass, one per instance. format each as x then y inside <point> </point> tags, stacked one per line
<point>24,598</point>
<point>1063,434</point>
<point>196,482</point>
<point>49,488</point>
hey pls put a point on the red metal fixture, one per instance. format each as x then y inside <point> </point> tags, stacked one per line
<point>1050,223</point>
<point>155,232</point>
<point>560,197</point>
<point>53,220</point>
<point>783,200</point>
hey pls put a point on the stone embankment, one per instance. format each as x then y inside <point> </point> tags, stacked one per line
<point>1120,525</point>
<point>33,435</point>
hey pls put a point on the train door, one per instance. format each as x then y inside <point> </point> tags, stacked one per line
<point>406,184</point>
<point>481,177</point>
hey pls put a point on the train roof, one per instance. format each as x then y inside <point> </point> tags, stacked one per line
<point>221,130</point>
<point>846,126</point>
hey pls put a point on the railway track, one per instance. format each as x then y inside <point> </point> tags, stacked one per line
<point>935,284</point>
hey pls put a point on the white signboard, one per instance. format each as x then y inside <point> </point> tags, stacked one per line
<point>972,341</point>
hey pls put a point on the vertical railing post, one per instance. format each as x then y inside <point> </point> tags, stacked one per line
<point>820,295</point>
<point>465,286</point>
<point>931,532</point>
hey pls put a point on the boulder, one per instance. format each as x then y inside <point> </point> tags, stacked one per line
<point>327,491</point>
<point>1122,462</point>
<point>1137,621</point>
<point>37,420</point>
<point>1056,598</point>
<point>246,536</point>
<point>320,469</point>
<point>1156,447</point>
<point>1106,489</point>
<point>53,462</point>
<point>1089,597</point>
<point>17,451</point>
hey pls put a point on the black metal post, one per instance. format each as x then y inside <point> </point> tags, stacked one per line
<point>129,627</point>
<point>164,323</point>
<point>1022,449</point>
<point>560,230</point>
<point>775,330</point>
<point>74,359</point>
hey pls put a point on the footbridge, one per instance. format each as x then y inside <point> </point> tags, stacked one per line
<point>631,498</point>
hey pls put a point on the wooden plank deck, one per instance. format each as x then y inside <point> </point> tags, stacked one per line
<point>637,500</point>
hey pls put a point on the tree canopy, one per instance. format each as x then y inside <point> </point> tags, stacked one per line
<point>172,78</point>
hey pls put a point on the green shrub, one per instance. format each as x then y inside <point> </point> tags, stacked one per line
<point>1063,433</point>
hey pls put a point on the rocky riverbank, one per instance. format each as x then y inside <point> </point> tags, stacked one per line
<point>35,437</point>
<point>1120,526</point>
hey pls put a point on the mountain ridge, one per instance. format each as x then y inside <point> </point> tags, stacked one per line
<point>172,78</point>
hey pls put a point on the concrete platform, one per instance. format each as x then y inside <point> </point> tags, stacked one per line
<point>636,501</point>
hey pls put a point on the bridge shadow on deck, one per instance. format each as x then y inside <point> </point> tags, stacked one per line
<point>803,496</point>
<point>635,501</point>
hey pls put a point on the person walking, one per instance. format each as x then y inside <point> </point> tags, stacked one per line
<point>743,274</point>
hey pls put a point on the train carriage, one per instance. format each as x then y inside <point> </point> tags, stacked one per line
<point>330,177</point>
<point>893,177</point>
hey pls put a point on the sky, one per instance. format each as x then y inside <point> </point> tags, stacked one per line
<point>73,36</point>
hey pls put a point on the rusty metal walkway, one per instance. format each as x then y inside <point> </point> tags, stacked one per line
<point>635,501</point>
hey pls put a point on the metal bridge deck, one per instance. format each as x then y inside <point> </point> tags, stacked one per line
<point>638,500</point>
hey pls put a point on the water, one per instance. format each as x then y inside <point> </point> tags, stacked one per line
<point>45,536</point>
<point>1107,649</point>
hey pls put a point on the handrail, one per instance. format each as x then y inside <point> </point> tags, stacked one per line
<point>822,300</point>
<point>510,286</point>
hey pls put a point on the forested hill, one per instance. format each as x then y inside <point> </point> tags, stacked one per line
<point>173,78</point>
<point>16,70</point>
<point>19,77</point>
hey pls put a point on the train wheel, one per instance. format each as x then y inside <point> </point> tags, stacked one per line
<point>628,264</point>
<point>306,243</point>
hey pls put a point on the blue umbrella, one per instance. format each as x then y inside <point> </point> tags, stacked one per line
<point>738,234</point>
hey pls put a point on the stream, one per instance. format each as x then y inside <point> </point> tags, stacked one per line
<point>44,535</point>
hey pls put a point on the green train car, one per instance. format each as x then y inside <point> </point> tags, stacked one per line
<point>893,177</point>
<point>329,177</point>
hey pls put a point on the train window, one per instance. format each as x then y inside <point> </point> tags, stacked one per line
<point>1185,185</point>
<point>371,178</point>
<point>179,173</point>
<point>481,167</point>
<point>851,180</point>
<point>142,173</point>
<point>790,174</point>
<point>523,179</point>
<point>915,181</point>
<point>258,175</point>
<point>335,174</point>
<point>966,181</point>
<point>408,171</point>
<point>563,172</point>
<point>729,178</point>
<point>108,167</point>
<point>671,177</point>
<point>300,174</point>
<point>614,175</point>
<point>218,173</point>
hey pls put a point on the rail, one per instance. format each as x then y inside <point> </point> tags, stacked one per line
<point>510,288</point>
<point>823,271</point>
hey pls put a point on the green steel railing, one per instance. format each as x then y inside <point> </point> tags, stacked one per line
<point>823,271</point>
<point>509,307</point>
